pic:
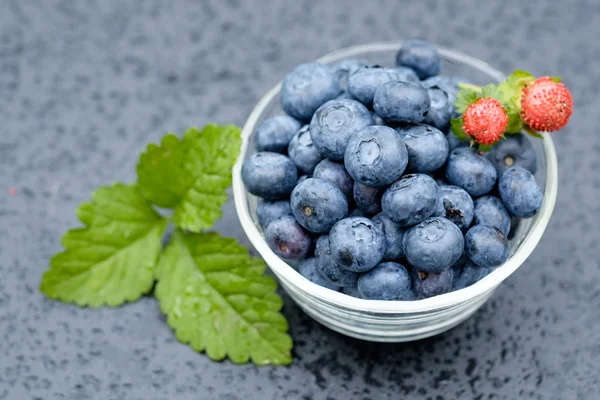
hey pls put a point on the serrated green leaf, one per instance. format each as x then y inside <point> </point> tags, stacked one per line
<point>112,259</point>
<point>515,120</point>
<point>464,99</point>
<point>491,91</point>
<point>457,128</point>
<point>519,77</point>
<point>217,300</point>
<point>556,79</point>
<point>532,132</point>
<point>191,175</point>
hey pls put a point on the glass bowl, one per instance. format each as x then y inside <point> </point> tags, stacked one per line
<point>394,321</point>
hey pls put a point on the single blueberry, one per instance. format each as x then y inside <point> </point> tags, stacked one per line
<point>489,210</point>
<point>345,95</point>
<point>376,156</point>
<point>470,171</point>
<point>271,176</point>
<point>429,284</point>
<point>365,81</point>
<point>440,111</point>
<point>486,246</point>
<point>387,281</point>
<point>467,274</point>
<point>515,151</point>
<point>433,245</point>
<point>352,291</point>
<point>427,147</point>
<point>520,193</point>
<point>454,142</point>
<point>288,239</point>
<point>398,101</point>
<point>317,205</point>
<point>344,68</point>
<point>306,88</point>
<point>335,173</point>
<point>367,198</point>
<point>269,211</point>
<point>377,120</point>
<point>308,269</point>
<point>334,123</point>
<point>302,151</point>
<point>302,179</point>
<point>406,74</point>
<point>393,233</point>
<point>356,244</point>
<point>421,57</point>
<point>274,134</point>
<point>456,205</point>
<point>329,269</point>
<point>411,199</point>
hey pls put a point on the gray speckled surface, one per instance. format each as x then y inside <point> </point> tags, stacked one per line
<point>85,85</point>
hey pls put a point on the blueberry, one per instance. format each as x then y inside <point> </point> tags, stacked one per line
<point>288,239</point>
<point>429,284</point>
<point>329,269</point>
<point>520,194</point>
<point>317,205</point>
<point>486,246</point>
<point>421,56</point>
<point>470,171</point>
<point>356,213</point>
<point>376,156</point>
<point>269,211</point>
<point>352,291</point>
<point>427,147</point>
<point>306,88</point>
<point>467,274</point>
<point>456,205</point>
<point>515,151</point>
<point>356,244</point>
<point>489,210</point>
<point>302,151</point>
<point>406,74</point>
<point>398,101</point>
<point>336,174</point>
<point>302,179</point>
<point>393,233</point>
<point>271,176</point>
<point>454,142</point>
<point>334,123</point>
<point>377,120</point>
<point>387,281</point>
<point>440,111</point>
<point>344,68</point>
<point>345,95</point>
<point>308,269</point>
<point>364,82</point>
<point>433,245</point>
<point>274,134</point>
<point>411,199</point>
<point>367,199</point>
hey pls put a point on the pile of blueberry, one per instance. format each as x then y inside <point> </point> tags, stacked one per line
<point>362,184</point>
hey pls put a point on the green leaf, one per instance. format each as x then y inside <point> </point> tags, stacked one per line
<point>191,175</point>
<point>520,77</point>
<point>112,259</point>
<point>491,91</point>
<point>484,148</point>
<point>556,79</point>
<point>217,300</point>
<point>464,99</point>
<point>532,132</point>
<point>475,88</point>
<point>457,128</point>
<point>515,121</point>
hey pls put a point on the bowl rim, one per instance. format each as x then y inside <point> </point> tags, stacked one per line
<point>284,271</point>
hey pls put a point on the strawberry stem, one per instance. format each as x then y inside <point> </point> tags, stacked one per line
<point>469,86</point>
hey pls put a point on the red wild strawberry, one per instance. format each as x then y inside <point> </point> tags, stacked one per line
<point>546,105</point>
<point>485,121</point>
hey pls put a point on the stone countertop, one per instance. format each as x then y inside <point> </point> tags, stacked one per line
<point>84,86</point>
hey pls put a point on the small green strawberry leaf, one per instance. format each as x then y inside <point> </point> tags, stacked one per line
<point>556,79</point>
<point>515,121</point>
<point>464,99</point>
<point>532,132</point>
<point>468,86</point>
<point>484,148</point>
<point>457,128</point>
<point>491,92</point>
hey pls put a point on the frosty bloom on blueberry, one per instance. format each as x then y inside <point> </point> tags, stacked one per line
<point>444,169</point>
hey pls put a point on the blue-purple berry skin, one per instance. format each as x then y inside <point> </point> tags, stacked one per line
<point>471,171</point>
<point>274,134</point>
<point>393,233</point>
<point>271,176</point>
<point>411,199</point>
<point>329,269</point>
<point>427,147</point>
<point>421,57</point>
<point>514,151</point>
<point>520,193</point>
<point>269,211</point>
<point>429,284</point>
<point>456,205</point>
<point>357,244</point>
<point>317,205</point>
<point>303,152</point>
<point>335,173</point>
<point>387,281</point>
<point>486,246</point>
<point>399,101</point>
<point>467,274</point>
<point>308,269</point>
<point>306,88</point>
<point>489,210</point>
<point>288,239</point>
